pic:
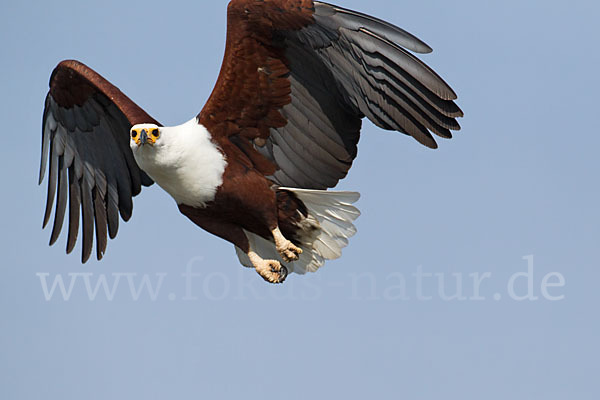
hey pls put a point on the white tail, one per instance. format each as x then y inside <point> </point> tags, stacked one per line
<point>332,212</point>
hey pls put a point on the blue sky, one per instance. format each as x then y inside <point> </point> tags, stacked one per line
<point>515,192</point>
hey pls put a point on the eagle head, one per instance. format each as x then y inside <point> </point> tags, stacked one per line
<point>144,134</point>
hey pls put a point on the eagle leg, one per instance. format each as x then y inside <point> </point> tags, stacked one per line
<point>271,270</point>
<point>288,251</point>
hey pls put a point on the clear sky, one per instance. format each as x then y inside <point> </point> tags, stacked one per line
<point>512,203</point>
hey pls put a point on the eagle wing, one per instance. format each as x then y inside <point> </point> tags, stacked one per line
<point>298,77</point>
<point>85,137</point>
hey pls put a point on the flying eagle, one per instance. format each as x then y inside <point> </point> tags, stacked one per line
<point>280,127</point>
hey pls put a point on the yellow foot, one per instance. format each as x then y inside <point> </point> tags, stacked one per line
<point>271,270</point>
<point>288,251</point>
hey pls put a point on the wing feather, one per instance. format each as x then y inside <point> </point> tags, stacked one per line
<point>300,75</point>
<point>52,179</point>
<point>85,134</point>
<point>354,20</point>
<point>61,203</point>
<point>87,218</point>
<point>74,206</point>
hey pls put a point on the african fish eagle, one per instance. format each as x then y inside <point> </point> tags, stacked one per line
<point>281,126</point>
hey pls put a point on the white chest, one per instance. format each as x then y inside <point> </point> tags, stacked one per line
<point>185,163</point>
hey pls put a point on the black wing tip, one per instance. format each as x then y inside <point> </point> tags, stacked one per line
<point>86,254</point>
<point>451,93</point>
<point>460,114</point>
<point>53,239</point>
<point>70,247</point>
<point>45,221</point>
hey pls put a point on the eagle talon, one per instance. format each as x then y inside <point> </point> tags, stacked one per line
<point>283,273</point>
<point>289,252</point>
<point>271,271</point>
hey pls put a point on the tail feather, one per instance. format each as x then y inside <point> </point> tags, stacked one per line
<point>333,212</point>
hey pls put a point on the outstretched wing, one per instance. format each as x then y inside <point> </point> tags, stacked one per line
<point>85,135</point>
<point>298,77</point>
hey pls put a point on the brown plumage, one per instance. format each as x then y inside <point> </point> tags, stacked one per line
<point>253,84</point>
<point>297,78</point>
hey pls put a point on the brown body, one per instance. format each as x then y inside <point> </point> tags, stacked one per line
<point>248,201</point>
<point>244,201</point>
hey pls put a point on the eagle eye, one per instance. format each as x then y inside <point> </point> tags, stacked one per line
<point>134,134</point>
<point>154,132</point>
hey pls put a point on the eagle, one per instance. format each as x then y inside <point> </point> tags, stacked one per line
<point>253,167</point>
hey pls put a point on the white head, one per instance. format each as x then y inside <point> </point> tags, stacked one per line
<point>181,159</point>
<point>142,135</point>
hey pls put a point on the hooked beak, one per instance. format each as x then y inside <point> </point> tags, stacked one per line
<point>143,137</point>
